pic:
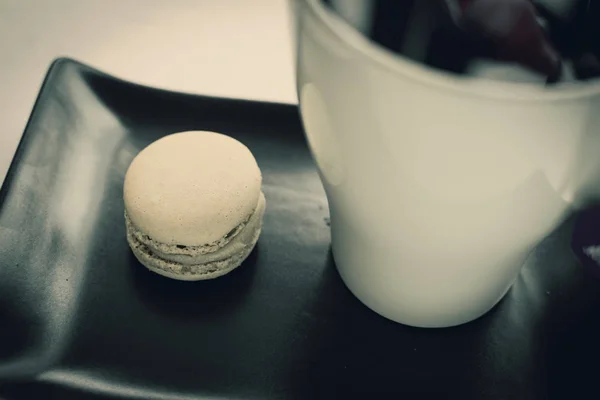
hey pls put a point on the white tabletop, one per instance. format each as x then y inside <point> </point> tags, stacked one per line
<point>229,48</point>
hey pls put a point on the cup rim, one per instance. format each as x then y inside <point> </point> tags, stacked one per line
<point>422,74</point>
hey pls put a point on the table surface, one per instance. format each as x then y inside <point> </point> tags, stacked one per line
<point>226,48</point>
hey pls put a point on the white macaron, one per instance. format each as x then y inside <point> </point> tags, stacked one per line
<point>193,205</point>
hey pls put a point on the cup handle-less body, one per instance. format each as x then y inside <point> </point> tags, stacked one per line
<point>439,187</point>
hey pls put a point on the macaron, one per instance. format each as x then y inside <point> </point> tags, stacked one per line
<point>193,205</point>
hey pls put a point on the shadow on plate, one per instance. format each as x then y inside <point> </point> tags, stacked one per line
<point>189,299</point>
<point>16,333</point>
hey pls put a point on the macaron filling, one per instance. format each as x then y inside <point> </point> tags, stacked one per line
<point>177,270</point>
<point>186,250</point>
<point>194,261</point>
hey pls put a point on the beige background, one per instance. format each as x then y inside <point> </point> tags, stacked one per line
<point>230,48</point>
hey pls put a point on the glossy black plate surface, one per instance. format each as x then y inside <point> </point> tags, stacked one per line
<point>81,319</point>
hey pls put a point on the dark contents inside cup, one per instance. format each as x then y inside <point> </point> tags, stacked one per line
<point>555,40</point>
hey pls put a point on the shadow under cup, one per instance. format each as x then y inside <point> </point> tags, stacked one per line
<point>439,186</point>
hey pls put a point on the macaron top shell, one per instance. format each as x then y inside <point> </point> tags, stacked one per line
<point>192,188</point>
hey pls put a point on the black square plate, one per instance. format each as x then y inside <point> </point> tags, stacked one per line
<point>81,319</point>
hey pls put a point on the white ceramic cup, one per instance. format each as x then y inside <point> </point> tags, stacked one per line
<point>439,186</point>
